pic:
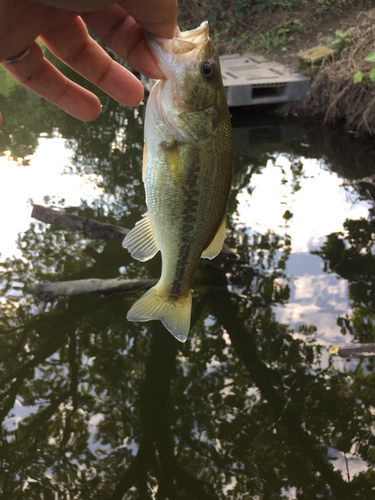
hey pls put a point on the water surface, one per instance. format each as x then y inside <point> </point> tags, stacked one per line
<point>252,406</point>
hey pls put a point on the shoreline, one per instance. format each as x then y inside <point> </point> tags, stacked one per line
<point>292,26</point>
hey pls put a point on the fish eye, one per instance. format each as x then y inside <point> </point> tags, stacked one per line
<point>208,69</point>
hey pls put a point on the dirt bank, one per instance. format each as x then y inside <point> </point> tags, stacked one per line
<point>344,89</point>
<point>281,28</point>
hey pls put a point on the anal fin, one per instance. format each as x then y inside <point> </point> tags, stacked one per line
<point>141,241</point>
<point>214,248</point>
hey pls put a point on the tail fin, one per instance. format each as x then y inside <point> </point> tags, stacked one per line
<point>174,314</point>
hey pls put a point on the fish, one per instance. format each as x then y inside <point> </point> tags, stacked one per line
<point>187,174</point>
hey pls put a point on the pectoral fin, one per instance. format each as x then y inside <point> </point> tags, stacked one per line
<point>214,248</point>
<point>141,241</point>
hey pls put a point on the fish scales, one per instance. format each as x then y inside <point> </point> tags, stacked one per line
<point>187,174</point>
<point>186,215</point>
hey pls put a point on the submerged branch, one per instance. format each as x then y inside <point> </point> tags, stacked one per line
<point>353,350</point>
<point>92,228</point>
<point>49,291</point>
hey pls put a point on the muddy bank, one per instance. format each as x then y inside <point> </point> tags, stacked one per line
<point>343,91</point>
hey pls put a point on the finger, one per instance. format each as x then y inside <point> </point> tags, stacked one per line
<point>121,33</point>
<point>78,5</point>
<point>158,17</point>
<point>71,43</point>
<point>39,75</point>
<point>22,21</point>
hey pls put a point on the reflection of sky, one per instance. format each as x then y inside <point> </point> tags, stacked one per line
<point>319,208</point>
<point>315,297</point>
<point>350,465</point>
<point>45,176</point>
<point>19,413</point>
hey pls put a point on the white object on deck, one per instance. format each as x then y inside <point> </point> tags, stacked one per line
<point>252,79</point>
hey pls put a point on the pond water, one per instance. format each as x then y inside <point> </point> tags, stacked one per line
<point>252,406</point>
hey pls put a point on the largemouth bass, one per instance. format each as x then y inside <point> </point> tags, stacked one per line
<point>187,174</point>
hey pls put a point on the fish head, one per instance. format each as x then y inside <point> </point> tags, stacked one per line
<point>192,97</point>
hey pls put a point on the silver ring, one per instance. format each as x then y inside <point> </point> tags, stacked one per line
<point>18,58</point>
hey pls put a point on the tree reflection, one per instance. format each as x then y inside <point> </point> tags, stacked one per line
<point>242,408</point>
<point>25,117</point>
<point>350,254</point>
<point>93,406</point>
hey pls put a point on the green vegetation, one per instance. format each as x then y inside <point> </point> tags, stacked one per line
<point>262,5</point>
<point>358,77</point>
<point>218,13</point>
<point>326,5</point>
<point>267,43</point>
<point>284,35</point>
<point>341,40</point>
<point>266,25</point>
<point>7,83</point>
<point>344,91</point>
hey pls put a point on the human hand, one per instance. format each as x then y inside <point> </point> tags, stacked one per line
<point>60,25</point>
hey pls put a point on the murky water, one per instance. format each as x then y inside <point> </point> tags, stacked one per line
<point>252,406</point>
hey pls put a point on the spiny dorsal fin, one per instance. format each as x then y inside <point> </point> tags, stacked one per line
<point>141,241</point>
<point>214,248</point>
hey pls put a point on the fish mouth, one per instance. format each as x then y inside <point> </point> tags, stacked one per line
<point>197,35</point>
<point>174,52</point>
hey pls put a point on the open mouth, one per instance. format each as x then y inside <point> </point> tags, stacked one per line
<point>178,50</point>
